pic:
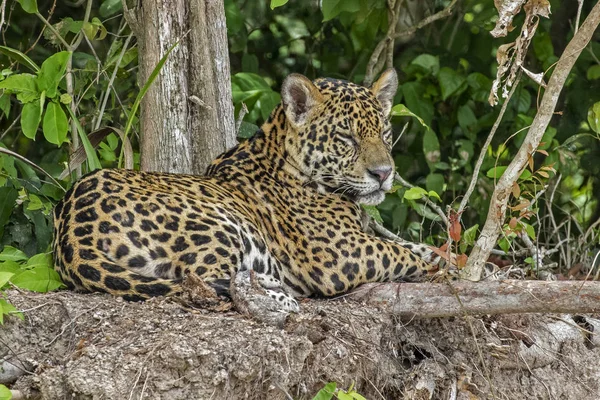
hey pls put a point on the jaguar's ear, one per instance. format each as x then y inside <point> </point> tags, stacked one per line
<point>385,89</point>
<point>299,96</point>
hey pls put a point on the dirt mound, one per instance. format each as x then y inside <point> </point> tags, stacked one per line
<point>98,347</point>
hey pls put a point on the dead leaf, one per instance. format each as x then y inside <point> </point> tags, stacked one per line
<point>538,78</point>
<point>461,260</point>
<point>511,57</point>
<point>455,230</point>
<point>521,205</point>
<point>513,223</point>
<point>516,190</point>
<point>507,9</point>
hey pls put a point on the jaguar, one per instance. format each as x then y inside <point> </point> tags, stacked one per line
<point>285,204</point>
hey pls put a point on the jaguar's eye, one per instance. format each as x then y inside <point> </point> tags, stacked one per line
<point>348,139</point>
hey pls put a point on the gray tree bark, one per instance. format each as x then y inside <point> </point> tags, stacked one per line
<point>187,115</point>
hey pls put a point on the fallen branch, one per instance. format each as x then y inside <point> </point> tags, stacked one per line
<point>499,202</point>
<point>433,300</point>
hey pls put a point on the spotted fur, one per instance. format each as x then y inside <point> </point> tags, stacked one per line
<point>283,204</point>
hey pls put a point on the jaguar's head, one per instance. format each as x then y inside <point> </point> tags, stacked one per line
<point>340,136</point>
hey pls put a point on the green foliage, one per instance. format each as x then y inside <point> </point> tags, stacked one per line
<point>330,390</point>
<point>5,393</point>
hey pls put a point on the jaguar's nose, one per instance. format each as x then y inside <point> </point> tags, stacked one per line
<point>381,173</point>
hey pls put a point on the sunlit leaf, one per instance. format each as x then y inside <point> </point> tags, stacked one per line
<point>29,6</point>
<point>278,3</point>
<point>327,392</point>
<point>39,279</point>
<point>400,110</point>
<point>55,125</point>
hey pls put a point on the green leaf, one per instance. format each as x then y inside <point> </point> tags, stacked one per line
<point>373,212</point>
<point>5,277</point>
<point>40,279</point>
<point>504,244</point>
<point>30,118</point>
<point>594,117</point>
<point>247,130</point>
<point>400,110</point>
<point>450,81</point>
<point>470,234</point>
<point>530,230</point>
<point>52,72</point>
<point>10,267</point>
<point>23,85</point>
<point>496,173</point>
<point>267,103</point>
<point>593,72</point>
<point>233,17</point>
<point>332,8</point>
<point>433,194</point>
<point>431,147</point>
<point>341,395</point>
<point>277,3</point>
<point>21,58</point>
<point>467,120</point>
<point>413,95</point>
<point>415,193</point>
<point>40,260</point>
<point>429,63</point>
<point>524,101</point>
<point>5,393</point>
<point>8,197</point>
<point>8,309</point>
<point>55,125</point>
<point>110,7</point>
<point>5,103</point>
<point>435,182</point>
<point>12,254</point>
<point>29,6</point>
<point>34,203</point>
<point>327,392</point>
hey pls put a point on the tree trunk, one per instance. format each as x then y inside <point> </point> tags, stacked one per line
<point>187,115</point>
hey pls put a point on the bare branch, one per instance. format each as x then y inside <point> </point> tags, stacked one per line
<point>475,177</point>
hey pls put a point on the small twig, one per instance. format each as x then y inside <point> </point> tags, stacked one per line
<point>32,164</point>
<point>400,135</point>
<point>111,81</point>
<point>12,125</point>
<point>2,11</point>
<point>240,118</point>
<point>482,154</point>
<point>54,31</point>
<point>579,7</point>
<point>376,62</point>
<point>459,19</point>
<point>432,18</point>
